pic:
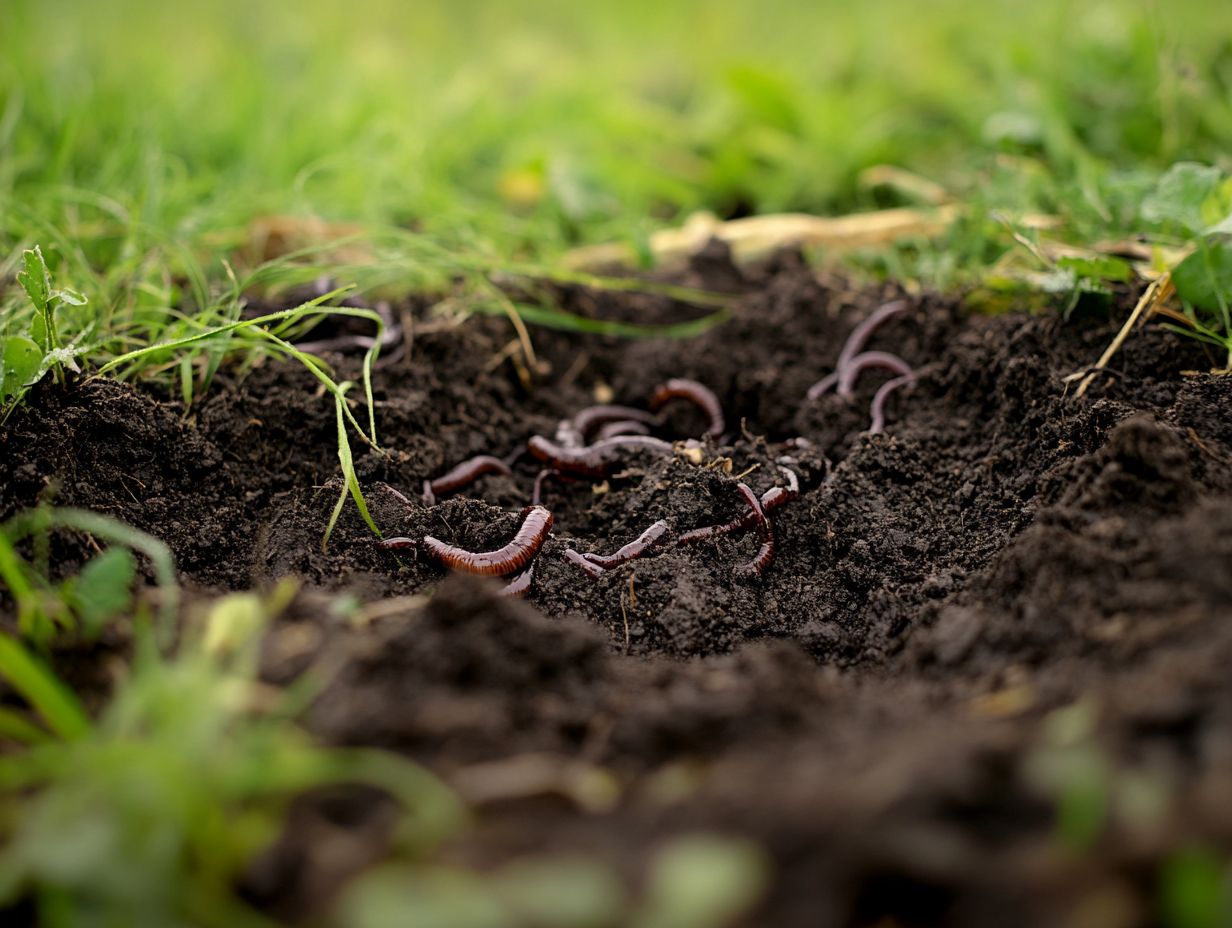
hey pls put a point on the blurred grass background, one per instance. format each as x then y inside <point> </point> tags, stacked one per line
<point>132,128</point>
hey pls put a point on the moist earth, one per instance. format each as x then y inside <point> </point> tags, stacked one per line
<point>967,613</point>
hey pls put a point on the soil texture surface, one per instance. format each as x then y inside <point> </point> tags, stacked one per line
<point>1005,615</point>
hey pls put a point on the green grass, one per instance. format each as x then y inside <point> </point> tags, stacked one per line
<point>138,141</point>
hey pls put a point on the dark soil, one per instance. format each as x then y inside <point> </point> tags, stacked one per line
<point>879,710</point>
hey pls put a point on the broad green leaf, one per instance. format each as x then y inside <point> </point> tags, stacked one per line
<point>1204,279</point>
<point>103,589</point>
<point>20,358</point>
<point>35,278</point>
<point>1181,195</point>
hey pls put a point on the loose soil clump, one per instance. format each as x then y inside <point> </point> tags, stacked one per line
<point>879,709</point>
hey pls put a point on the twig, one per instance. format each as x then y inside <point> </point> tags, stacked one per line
<point>1157,292</point>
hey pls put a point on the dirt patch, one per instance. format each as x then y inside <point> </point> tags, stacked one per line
<point>944,593</point>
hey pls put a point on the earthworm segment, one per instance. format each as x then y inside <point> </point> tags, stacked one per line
<point>765,553</point>
<point>592,570</point>
<point>536,524</point>
<point>593,460</point>
<point>853,360</point>
<point>464,474</point>
<point>696,393</point>
<point>519,586</point>
<point>634,549</point>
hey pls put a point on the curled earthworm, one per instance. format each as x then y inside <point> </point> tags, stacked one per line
<point>593,460</point>
<point>770,500</point>
<point>634,549</point>
<point>862,362</point>
<point>765,553</point>
<point>593,417</point>
<point>696,393</point>
<point>877,408</point>
<point>464,474</point>
<point>591,421</point>
<point>536,525</point>
<point>519,586</point>
<point>622,427</point>
<point>855,344</point>
<point>592,570</point>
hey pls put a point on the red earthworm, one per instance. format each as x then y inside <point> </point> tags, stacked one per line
<point>463,474</point>
<point>592,417</point>
<point>593,460</point>
<point>696,393</point>
<point>536,496</point>
<point>636,548</point>
<point>519,586</point>
<point>855,344</point>
<point>765,553</point>
<point>770,500</point>
<point>877,408</point>
<point>514,556</point>
<point>862,362</point>
<point>593,570</point>
<point>400,542</point>
<point>622,427</point>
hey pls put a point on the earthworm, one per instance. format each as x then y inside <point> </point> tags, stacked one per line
<point>696,393</point>
<point>770,500</point>
<point>765,553</point>
<point>593,570</point>
<point>593,417</point>
<point>862,362</point>
<point>536,496</point>
<point>463,474</point>
<point>877,408</point>
<point>513,556</point>
<point>622,427</point>
<point>519,586</point>
<point>593,460</point>
<point>636,548</point>
<point>400,542</point>
<point>855,344</point>
<point>860,334</point>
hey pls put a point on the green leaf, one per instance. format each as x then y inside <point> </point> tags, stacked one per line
<point>1180,196</point>
<point>1102,267</point>
<point>103,589</point>
<point>35,278</point>
<point>20,358</point>
<point>1204,279</point>
<point>71,297</point>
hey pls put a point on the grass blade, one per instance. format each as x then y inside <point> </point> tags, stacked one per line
<point>40,687</point>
